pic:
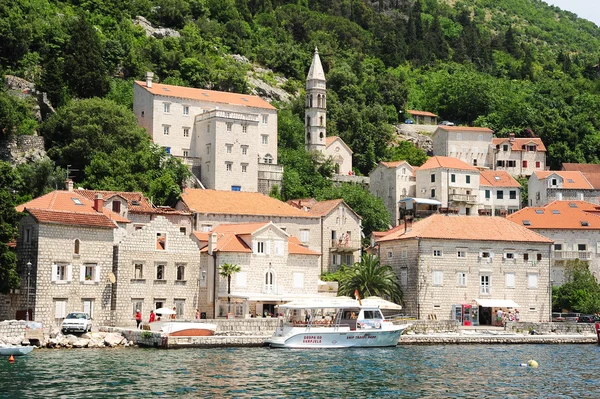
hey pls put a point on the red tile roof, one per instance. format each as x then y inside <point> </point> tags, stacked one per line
<point>446,162</point>
<point>136,202</point>
<point>191,93</point>
<point>295,247</point>
<point>471,228</point>
<point>56,205</point>
<point>517,144</point>
<point>567,215</point>
<point>421,113</point>
<point>572,180</point>
<point>323,208</point>
<point>466,129</point>
<point>581,167</point>
<point>497,178</point>
<point>593,179</point>
<point>237,203</point>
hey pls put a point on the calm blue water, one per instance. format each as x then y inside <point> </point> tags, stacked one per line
<point>466,371</point>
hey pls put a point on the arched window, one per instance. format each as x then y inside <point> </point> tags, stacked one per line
<point>321,135</point>
<point>337,168</point>
<point>324,104</point>
<point>269,281</point>
<point>308,137</point>
<point>319,101</point>
<point>308,121</point>
<point>321,120</point>
<point>76,247</point>
<point>268,158</point>
<point>310,101</point>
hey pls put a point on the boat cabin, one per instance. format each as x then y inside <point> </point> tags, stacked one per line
<point>352,317</point>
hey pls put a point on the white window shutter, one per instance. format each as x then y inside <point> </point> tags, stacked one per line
<point>69,272</point>
<point>54,272</point>
<point>82,273</point>
<point>97,273</point>
<point>268,247</point>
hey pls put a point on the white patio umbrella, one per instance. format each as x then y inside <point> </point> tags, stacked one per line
<point>380,303</point>
<point>164,311</point>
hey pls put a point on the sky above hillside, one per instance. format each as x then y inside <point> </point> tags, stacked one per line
<point>587,9</point>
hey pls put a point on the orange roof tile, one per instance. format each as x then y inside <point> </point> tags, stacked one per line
<point>593,179</point>
<point>572,180</point>
<point>238,203</point>
<point>517,144</point>
<point>295,247</point>
<point>581,167</point>
<point>421,113</point>
<point>446,162</point>
<point>302,203</point>
<point>497,178</point>
<point>559,215</point>
<point>238,228</point>
<point>473,228</point>
<point>466,129</point>
<point>191,93</point>
<point>201,235</point>
<point>323,208</point>
<point>65,202</point>
<point>71,218</point>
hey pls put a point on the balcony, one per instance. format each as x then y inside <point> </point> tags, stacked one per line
<point>341,245</point>
<point>468,198</point>
<point>570,255</point>
<point>239,116</point>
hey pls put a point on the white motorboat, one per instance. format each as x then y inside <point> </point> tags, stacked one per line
<point>7,350</point>
<point>333,323</point>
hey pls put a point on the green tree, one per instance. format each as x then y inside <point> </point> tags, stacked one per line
<point>84,67</point>
<point>16,117</point>
<point>370,278</point>
<point>227,270</point>
<point>406,151</point>
<point>9,218</point>
<point>581,292</point>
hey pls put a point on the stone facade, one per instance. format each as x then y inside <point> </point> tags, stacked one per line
<point>469,144</point>
<point>341,238</point>
<point>393,181</point>
<point>59,281</point>
<point>223,142</point>
<point>270,273</point>
<point>434,281</point>
<point>518,156</point>
<point>545,187</point>
<point>150,275</point>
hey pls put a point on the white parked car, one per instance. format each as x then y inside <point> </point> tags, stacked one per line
<point>76,322</point>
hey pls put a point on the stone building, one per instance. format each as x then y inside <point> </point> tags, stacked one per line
<point>393,181</point>
<point>423,117</point>
<point>483,262</point>
<point>157,265</point>
<point>544,187</point>
<point>229,140</point>
<point>472,145</point>
<point>499,193</point>
<point>69,242</point>
<point>275,268</point>
<point>341,231</point>
<point>518,156</point>
<point>99,252</point>
<point>574,226</point>
<point>450,181</point>
<point>315,117</point>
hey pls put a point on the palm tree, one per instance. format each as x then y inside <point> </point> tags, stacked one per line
<point>369,278</point>
<point>228,270</point>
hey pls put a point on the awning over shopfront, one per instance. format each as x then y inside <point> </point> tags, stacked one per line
<point>497,303</point>
<point>425,201</point>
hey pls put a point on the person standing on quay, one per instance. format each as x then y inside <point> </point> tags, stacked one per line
<point>138,318</point>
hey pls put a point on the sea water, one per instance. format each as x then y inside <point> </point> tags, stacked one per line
<point>455,371</point>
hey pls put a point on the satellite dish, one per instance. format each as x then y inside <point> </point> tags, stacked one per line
<point>112,278</point>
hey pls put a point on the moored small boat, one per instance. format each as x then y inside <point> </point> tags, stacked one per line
<point>188,329</point>
<point>598,332</point>
<point>333,324</point>
<point>14,350</point>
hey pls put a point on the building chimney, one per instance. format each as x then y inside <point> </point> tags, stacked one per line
<point>149,76</point>
<point>212,243</point>
<point>98,202</point>
<point>511,137</point>
<point>69,185</point>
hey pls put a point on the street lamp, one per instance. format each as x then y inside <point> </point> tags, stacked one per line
<point>28,277</point>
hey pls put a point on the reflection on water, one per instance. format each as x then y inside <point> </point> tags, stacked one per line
<point>467,371</point>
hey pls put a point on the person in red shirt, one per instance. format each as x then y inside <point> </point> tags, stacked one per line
<point>138,318</point>
<point>152,316</point>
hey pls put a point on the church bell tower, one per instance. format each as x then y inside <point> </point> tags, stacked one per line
<point>315,113</point>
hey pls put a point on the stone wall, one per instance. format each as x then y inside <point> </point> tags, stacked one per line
<point>22,149</point>
<point>430,326</point>
<point>548,328</point>
<point>15,329</point>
